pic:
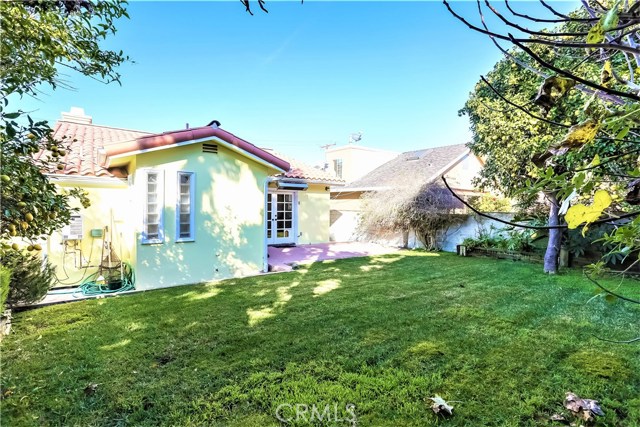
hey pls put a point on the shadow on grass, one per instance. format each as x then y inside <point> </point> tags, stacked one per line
<point>383,333</point>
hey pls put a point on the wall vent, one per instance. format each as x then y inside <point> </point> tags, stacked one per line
<point>210,148</point>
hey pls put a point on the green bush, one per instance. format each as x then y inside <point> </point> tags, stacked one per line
<point>514,241</point>
<point>31,278</point>
<point>5,277</point>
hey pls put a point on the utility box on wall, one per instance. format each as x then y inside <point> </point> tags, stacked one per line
<point>73,231</point>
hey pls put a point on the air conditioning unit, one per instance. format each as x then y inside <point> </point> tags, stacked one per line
<point>73,231</point>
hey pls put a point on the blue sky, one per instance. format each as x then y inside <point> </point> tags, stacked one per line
<point>294,79</point>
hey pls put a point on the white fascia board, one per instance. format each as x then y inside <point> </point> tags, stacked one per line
<point>450,165</point>
<point>358,189</point>
<point>87,180</point>
<point>308,181</point>
<point>197,141</point>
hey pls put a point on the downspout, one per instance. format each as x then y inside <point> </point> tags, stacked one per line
<point>265,247</point>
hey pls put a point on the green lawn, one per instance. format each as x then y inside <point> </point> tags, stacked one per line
<point>382,333</point>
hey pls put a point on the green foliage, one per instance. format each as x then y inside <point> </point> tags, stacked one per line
<point>490,203</point>
<point>5,278</point>
<point>505,239</point>
<point>573,148</point>
<point>399,329</point>
<point>38,39</point>
<point>31,277</point>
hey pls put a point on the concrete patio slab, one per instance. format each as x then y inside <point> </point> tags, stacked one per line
<point>280,259</point>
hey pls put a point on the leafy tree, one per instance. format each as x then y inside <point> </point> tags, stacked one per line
<point>38,39</point>
<point>587,156</point>
<point>555,105</point>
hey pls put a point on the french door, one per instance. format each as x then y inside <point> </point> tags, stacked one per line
<point>282,216</point>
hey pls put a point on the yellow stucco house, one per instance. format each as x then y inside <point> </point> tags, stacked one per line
<point>181,207</point>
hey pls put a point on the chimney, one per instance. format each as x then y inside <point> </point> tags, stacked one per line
<point>76,115</point>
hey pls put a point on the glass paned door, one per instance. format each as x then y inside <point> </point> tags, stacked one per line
<point>281,218</point>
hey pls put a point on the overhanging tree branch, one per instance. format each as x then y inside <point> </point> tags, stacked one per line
<point>521,108</point>
<point>528,226</point>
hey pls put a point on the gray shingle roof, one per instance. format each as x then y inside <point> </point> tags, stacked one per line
<point>408,169</point>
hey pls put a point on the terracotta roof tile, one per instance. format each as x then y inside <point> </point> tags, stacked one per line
<point>82,154</point>
<point>301,170</point>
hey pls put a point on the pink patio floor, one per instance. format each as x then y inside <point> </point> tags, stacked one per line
<point>280,259</point>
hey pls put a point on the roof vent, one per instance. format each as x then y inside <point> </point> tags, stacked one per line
<point>214,124</point>
<point>210,148</point>
<point>76,115</point>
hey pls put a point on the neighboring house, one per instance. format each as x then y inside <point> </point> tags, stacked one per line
<point>456,162</point>
<point>181,207</point>
<point>351,162</point>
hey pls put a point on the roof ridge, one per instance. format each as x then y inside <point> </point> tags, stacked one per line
<point>105,126</point>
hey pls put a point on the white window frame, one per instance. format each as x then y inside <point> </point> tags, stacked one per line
<point>337,167</point>
<point>160,190</point>
<point>192,207</point>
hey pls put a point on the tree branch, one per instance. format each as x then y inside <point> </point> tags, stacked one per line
<point>521,107</point>
<point>532,227</point>
<point>610,292</point>
<point>540,20</point>
<point>571,75</point>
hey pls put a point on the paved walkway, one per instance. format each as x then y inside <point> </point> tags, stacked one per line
<point>280,259</point>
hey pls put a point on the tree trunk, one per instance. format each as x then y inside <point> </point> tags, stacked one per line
<point>555,237</point>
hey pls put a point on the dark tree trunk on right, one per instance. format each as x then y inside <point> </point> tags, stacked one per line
<point>555,237</point>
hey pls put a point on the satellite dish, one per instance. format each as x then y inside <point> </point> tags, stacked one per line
<point>355,137</point>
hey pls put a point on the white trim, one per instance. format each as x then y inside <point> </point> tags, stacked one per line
<point>265,246</point>
<point>192,208</point>
<point>197,141</point>
<point>293,239</point>
<point>309,181</point>
<point>449,165</point>
<point>160,190</point>
<point>80,180</point>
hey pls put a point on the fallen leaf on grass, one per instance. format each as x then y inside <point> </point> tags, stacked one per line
<point>587,409</point>
<point>440,405</point>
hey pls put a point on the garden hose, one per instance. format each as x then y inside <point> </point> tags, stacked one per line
<point>90,286</point>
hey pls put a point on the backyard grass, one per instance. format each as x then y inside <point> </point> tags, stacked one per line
<point>382,333</point>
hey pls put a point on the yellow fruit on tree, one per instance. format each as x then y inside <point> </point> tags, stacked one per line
<point>15,247</point>
<point>30,248</point>
<point>5,178</point>
<point>29,217</point>
<point>24,225</point>
<point>37,247</point>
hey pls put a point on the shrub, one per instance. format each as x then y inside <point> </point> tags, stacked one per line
<point>31,278</point>
<point>5,277</point>
<point>490,203</point>
<point>429,210</point>
<point>514,241</point>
